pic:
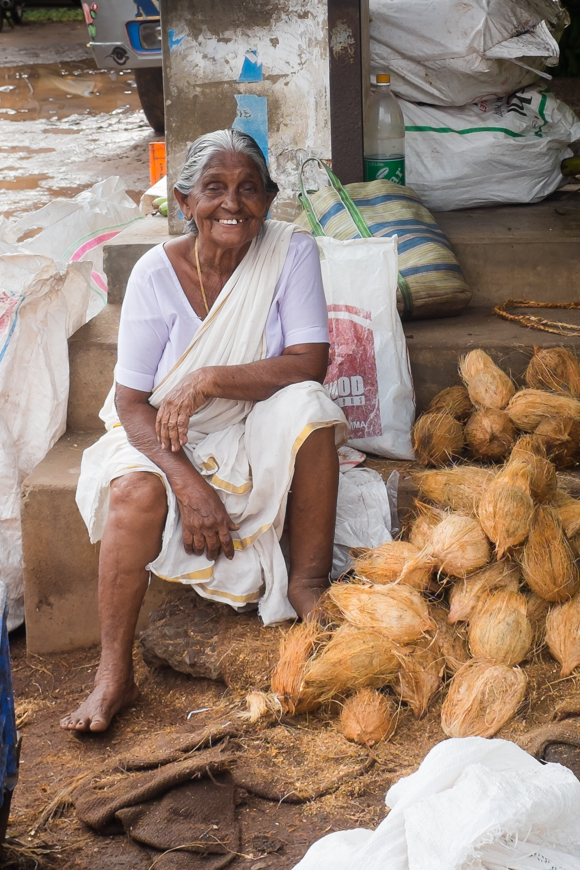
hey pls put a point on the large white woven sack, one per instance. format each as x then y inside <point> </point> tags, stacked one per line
<point>369,375</point>
<point>450,53</point>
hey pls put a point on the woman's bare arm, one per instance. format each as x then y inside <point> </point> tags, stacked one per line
<point>251,382</point>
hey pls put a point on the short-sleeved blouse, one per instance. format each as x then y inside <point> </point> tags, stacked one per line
<point>158,323</point>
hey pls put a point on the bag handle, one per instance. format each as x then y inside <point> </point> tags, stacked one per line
<point>357,219</point>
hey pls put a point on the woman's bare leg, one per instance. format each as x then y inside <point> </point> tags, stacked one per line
<point>132,539</point>
<point>311,519</point>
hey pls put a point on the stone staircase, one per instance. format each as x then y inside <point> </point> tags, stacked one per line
<point>511,251</point>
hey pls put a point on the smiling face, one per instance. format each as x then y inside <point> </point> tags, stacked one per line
<point>229,202</point>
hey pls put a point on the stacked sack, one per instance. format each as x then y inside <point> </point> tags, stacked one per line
<point>488,574</point>
<point>482,127</point>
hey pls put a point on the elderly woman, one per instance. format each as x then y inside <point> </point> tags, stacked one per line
<point>218,428</point>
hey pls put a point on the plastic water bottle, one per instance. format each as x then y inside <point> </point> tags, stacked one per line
<point>384,135</point>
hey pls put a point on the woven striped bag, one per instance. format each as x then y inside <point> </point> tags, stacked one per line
<point>431,283</point>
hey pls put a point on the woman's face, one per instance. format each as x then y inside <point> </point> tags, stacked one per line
<point>229,202</point>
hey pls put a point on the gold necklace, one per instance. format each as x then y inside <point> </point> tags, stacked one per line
<point>201,287</point>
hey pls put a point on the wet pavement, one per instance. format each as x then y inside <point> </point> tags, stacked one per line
<point>65,125</point>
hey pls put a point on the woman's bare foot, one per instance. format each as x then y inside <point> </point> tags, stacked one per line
<point>304,593</point>
<point>107,698</point>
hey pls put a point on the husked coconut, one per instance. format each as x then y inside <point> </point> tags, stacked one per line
<point>452,641</point>
<point>352,659</point>
<point>556,369</point>
<point>459,488</point>
<point>563,634</point>
<point>575,543</point>
<point>568,510</point>
<point>490,434</point>
<point>420,676</point>
<point>459,545</point>
<point>437,439</point>
<point>454,401</point>
<point>505,513</point>
<point>397,611</point>
<point>422,526</point>
<point>529,408</point>
<point>295,649</point>
<point>396,560</point>
<point>467,594</point>
<point>482,697</point>
<point>561,438</point>
<point>368,717</point>
<point>548,563</point>
<point>528,445</point>
<point>499,630</point>
<point>540,473</point>
<point>487,385</point>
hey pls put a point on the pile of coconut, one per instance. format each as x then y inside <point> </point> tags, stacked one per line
<point>488,573</point>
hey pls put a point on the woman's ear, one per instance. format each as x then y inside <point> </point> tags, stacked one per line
<point>183,203</point>
<point>270,197</point>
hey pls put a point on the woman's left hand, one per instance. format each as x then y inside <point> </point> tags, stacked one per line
<point>176,409</point>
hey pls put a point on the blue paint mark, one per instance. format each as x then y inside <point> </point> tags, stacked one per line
<point>173,40</point>
<point>252,118</point>
<point>251,69</point>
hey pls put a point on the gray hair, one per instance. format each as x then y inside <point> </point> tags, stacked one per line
<point>203,149</point>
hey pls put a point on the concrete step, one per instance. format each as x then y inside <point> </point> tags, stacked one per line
<point>92,354</point>
<point>60,563</point>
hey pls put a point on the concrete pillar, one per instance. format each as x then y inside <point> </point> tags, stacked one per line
<point>289,72</point>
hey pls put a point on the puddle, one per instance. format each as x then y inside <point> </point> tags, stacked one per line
<point>58,90</point>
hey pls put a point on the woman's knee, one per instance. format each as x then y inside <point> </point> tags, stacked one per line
<point>140,493</point>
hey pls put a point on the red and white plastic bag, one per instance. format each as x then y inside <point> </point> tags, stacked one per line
<point>369,375</point>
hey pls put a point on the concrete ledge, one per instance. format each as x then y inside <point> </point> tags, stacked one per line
<point>435,346</point>
<point>92,352</point>
<point>121,254</point>
<point>60,563</point>
<point>530,251</point>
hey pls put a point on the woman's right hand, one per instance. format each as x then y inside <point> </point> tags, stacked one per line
<point>206,523</point>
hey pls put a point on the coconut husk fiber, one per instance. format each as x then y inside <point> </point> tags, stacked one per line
<point>548,562</point>
<point>537,609</point>
<point>482,697</point>
<point>459,545</point>
<point>397,611</point>
<point>437,439</point>
<point>421,528</point>
<point>563,634</point>
<point>454,401</point>
<point>568,510</point>
<point>451,640</point>
<point>368,717</point>
<point>466,595</point>
<point>460,488</point>
<point>555,369</point>
<point>394,561</point>
<point>499,630</point>
<point>420,676</point>
<point>561,439</point>
<point>295,650</point>
<point>529,408</point>
<point>490,435</point>
<point>354,658</point>
<point>487,385</point>
<point>505,513</point>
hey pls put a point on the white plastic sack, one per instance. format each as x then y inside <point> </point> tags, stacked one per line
<point>369,375</point>
<point>363,515</point>
<point>504,150</point>
<point>77,229</point>
<point>474,804</point>
<point>41,305</point>
<point>450,53</point>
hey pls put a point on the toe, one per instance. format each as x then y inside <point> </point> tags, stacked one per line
<point>99,724</point>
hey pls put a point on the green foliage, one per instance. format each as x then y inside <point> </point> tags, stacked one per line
<point>53,14</point>
<point>570,43</point>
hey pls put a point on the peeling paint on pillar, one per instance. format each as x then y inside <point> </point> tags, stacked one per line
<point>204,86</point>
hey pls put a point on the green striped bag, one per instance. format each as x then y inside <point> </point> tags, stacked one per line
<point>431,283</point>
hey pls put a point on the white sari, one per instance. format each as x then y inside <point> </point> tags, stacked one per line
<point>245,450</point>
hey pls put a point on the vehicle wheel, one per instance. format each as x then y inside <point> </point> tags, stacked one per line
<point>150,89</point>
<point>16,13</point>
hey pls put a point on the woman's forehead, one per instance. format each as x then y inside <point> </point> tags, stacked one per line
<point>231,163</point>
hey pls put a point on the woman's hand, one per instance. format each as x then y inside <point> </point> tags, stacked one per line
<point>176,409</point>
<point>205,521</point>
